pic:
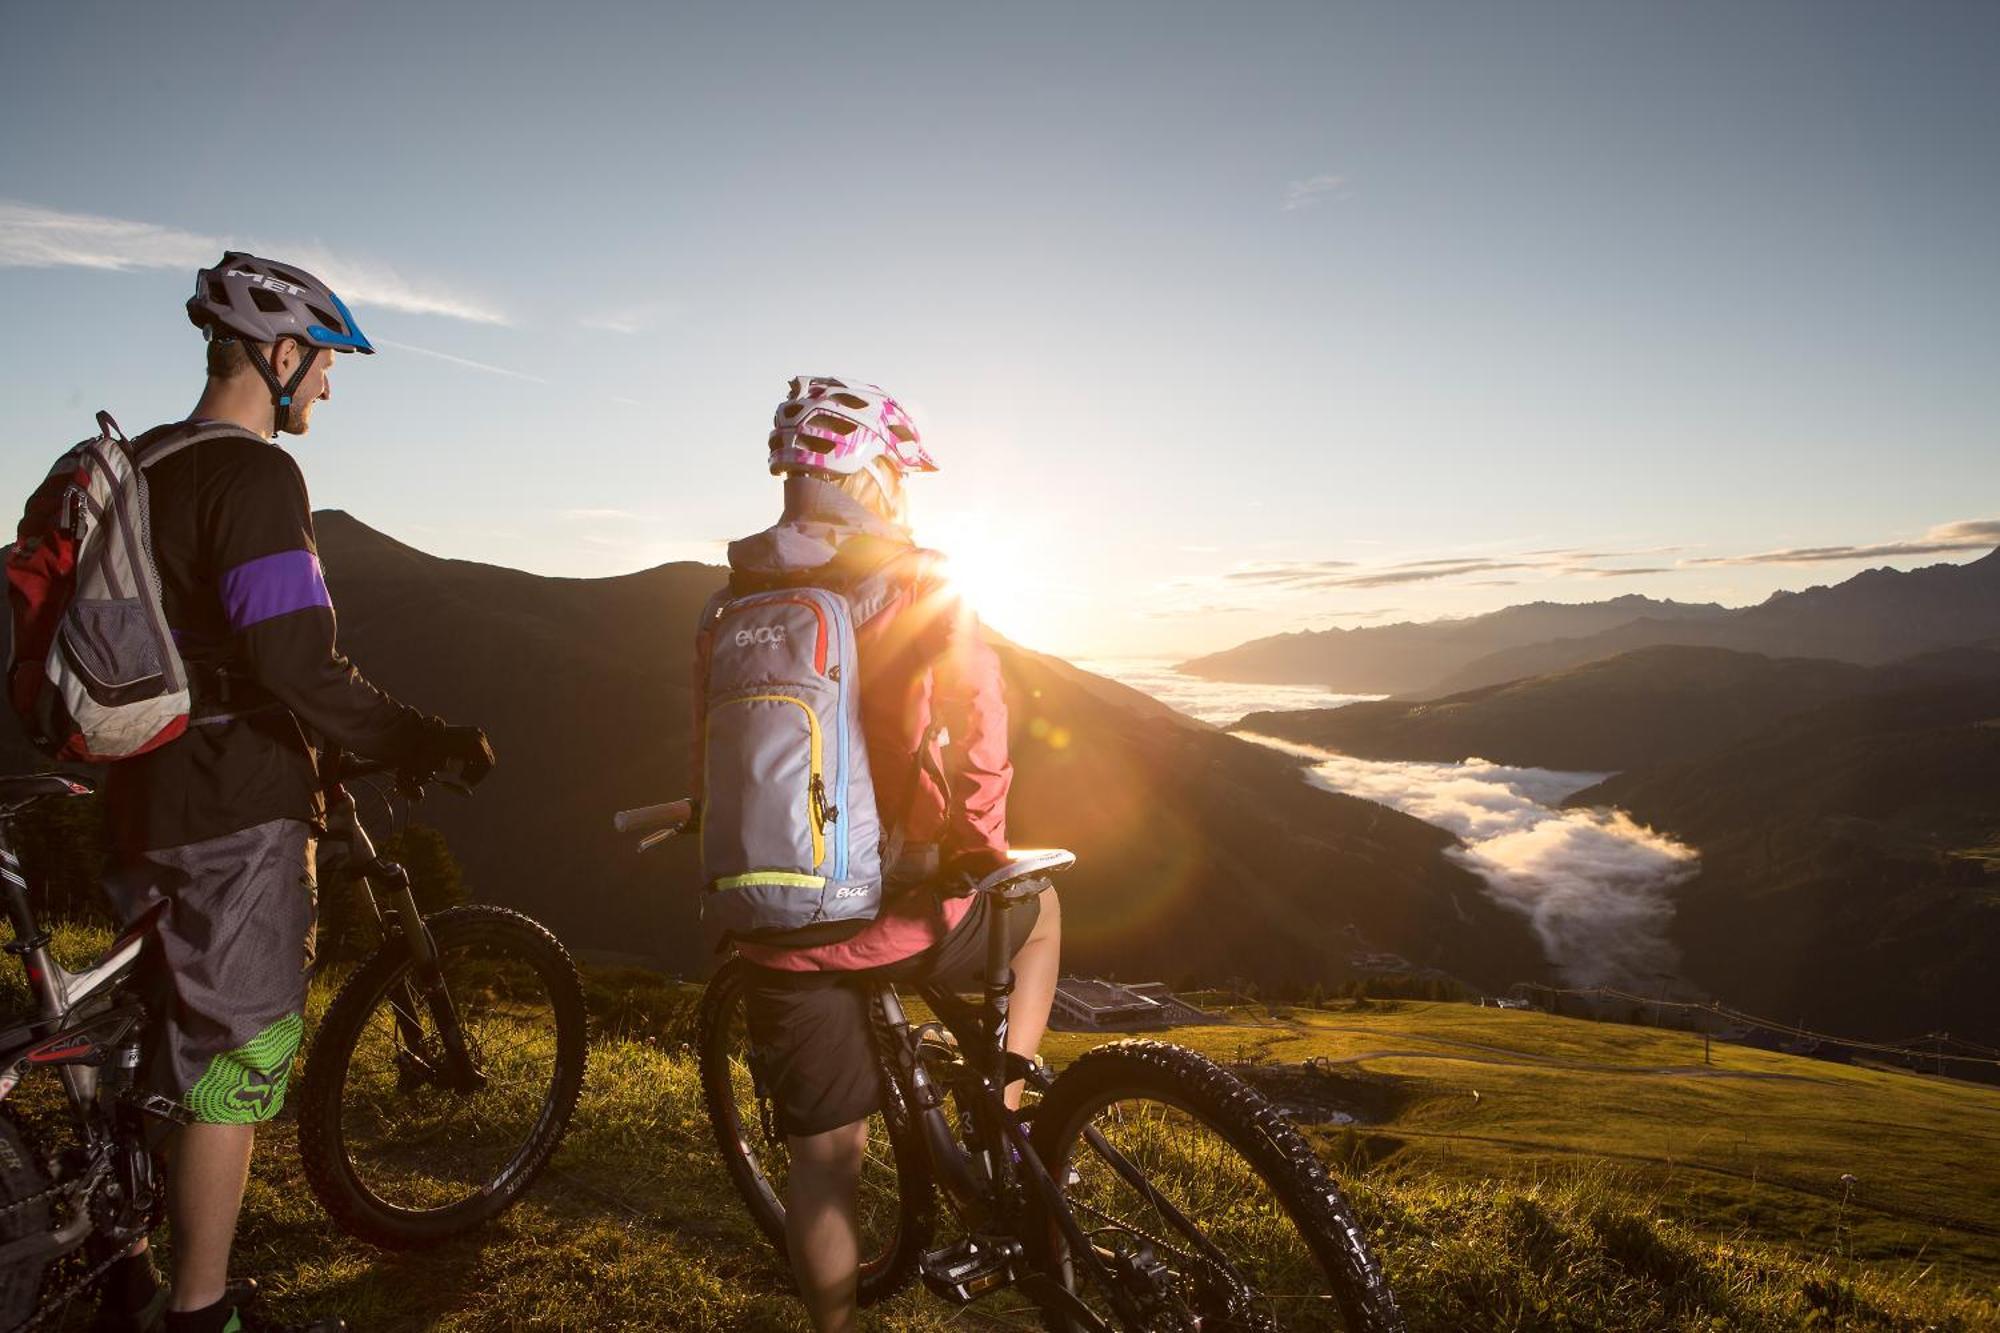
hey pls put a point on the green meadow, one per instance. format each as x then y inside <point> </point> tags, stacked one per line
<point>1517,1172</point>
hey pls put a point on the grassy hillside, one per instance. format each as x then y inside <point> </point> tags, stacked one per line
<point>1601,1177</point>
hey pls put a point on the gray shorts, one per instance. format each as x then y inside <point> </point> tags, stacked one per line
<point>230,960</point>
<point>809,1031</point>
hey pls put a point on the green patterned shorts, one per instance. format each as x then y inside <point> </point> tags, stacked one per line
<point>232,957</point>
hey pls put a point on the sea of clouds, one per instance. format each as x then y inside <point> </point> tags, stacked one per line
<point>1595,886</point>
<point>1220,702</point>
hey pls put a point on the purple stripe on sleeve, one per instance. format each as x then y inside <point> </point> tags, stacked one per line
<point>273,585</point>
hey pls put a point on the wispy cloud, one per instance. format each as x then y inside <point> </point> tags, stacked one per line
<point>36,237</point>
<point>1287,572</point>
<point>1309,575</point>
<point>1309,192</point>
<point>628,320</point>
<point>464,361</point>
<point>1964,535</point>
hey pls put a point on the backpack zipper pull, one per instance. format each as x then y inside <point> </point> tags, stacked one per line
<point>827,813</point>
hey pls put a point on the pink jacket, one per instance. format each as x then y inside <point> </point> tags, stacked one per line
<point>922,659</point>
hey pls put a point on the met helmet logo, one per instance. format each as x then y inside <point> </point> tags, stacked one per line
<point>769,635</point>
<point>263,280</point>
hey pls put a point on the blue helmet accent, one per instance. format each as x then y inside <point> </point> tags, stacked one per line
<point>354,340</point>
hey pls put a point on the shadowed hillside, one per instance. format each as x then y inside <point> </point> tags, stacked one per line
<point>1850,863</point>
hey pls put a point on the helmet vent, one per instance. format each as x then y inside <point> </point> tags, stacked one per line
<point>286,275</point>
<point>827,421</point>
<point>326,320</point>
<point>266,301</point>
<point>902,432</point>
<point>850,400</point>
<point>217,292</point>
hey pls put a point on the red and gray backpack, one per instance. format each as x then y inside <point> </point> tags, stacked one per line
<point>791,840</point>
<point>94,674</point>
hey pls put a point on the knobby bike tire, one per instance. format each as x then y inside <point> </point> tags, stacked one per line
<point>893,1260</point>
<point>1156,1072</point>
<point>21,1177</point>
<point>336,1180</point>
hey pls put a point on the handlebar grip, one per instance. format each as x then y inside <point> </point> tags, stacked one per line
<point>649,817</point>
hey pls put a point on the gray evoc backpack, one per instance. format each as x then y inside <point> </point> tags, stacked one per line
<point>791,841</point>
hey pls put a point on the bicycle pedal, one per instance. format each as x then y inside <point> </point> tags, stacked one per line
<point>968,1270</point>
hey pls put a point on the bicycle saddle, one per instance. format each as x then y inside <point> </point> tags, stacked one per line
<point>1025,873</point>
<point>16,792</point>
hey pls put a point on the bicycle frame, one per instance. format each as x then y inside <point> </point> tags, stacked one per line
<point>997,1182</point>
<point>402,925</point>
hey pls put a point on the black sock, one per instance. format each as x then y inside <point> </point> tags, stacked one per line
<point>208,1319</point>
<point>132,1281</point>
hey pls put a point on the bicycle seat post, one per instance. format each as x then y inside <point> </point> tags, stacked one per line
<point>999,987</point>
<point>30,943</point>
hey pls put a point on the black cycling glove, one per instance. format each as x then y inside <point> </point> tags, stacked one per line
<point>441,743</point>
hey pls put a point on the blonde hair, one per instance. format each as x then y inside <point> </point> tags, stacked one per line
<point>879,486</point>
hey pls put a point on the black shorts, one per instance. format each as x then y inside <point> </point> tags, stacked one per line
<point>809,1030</point>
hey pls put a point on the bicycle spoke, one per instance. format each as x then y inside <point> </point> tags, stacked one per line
<point>1217,1243</point>
<point>416,1143</point>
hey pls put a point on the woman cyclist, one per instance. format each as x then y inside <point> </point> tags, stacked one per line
<point>935,722</point>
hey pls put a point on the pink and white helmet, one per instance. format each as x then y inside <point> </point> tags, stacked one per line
<point>841,426</point>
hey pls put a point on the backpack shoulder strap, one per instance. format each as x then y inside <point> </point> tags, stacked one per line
<point>869,595</point>
<point>157,450</point>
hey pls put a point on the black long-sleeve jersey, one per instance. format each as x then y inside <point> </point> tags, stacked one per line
<point>243,592</point>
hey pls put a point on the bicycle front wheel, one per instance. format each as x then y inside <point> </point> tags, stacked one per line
<point>1202,1204</point>
<point>405,1143</point>
<point>895,1195</point>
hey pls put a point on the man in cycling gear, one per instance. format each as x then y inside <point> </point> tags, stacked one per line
<point>221,822</point>
<point>929,682</point>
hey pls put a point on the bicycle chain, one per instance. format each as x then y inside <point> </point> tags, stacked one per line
<point>1228,1280</point>
<point>51,1305</point>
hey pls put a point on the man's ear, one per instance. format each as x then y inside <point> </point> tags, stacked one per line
<point>284,358</point>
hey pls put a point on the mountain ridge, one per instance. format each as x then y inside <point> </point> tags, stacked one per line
<point>1873,617</point>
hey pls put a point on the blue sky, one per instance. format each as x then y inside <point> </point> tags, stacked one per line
<point>1222,320</point>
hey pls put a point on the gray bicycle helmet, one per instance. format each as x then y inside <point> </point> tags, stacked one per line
<point>262,301</point>
<point>258,301</point>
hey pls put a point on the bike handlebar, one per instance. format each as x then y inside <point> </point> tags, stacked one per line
<point>348,767</point>
<point>649,817</point>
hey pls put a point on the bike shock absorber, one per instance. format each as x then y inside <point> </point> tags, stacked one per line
<point>948,1156</point>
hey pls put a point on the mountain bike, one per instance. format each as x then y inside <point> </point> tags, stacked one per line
<point>1148,1189</point>
<point>438,1084</point>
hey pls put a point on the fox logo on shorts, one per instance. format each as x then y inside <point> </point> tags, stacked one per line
<point>258,1087</point>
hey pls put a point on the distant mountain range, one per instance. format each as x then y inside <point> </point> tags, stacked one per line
<point>1200,856</point>
<point>1875,617</point>
<point>1652,706</point>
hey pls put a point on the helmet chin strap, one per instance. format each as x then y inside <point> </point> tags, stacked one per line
<point>281,394</point>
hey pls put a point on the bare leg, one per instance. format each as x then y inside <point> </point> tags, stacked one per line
<point>820,1227</point>
<point>1037,966</point>
<point>210,1167</point>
